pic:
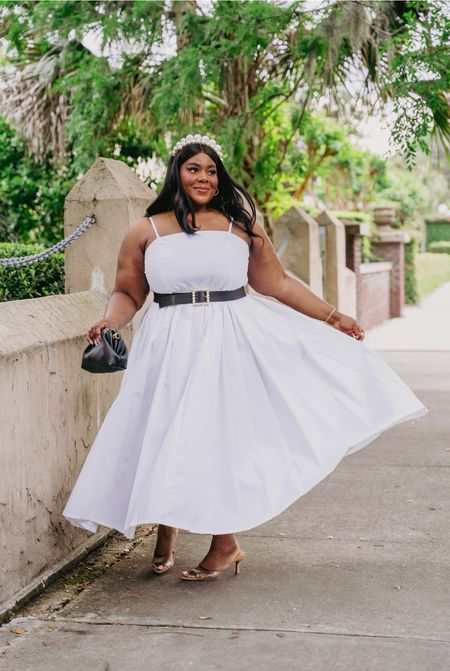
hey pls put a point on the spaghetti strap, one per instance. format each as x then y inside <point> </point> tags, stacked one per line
<point>154,227</point>
<point>231,224</point>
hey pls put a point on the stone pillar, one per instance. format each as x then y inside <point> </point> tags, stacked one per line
<point>384,216</point>
<point>335,279</point>
<point>390,246</point>
<point>116,196</point>
<point>296,237</point>
<point>353,248</point>
<point>353,252</point>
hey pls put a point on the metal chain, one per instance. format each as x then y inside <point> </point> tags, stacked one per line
<point>16,261</point>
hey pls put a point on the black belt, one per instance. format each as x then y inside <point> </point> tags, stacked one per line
<point>198,297</point>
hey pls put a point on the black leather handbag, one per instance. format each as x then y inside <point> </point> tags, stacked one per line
<point>108,356</point>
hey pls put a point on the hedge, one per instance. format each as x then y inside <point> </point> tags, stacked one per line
<point>353,215</point>
<point>436,230</point>
<point>411,281</point>
<point>440,247</point>
<point>41,278</point>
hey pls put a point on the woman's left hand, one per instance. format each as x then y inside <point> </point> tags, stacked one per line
<point>348,325</point>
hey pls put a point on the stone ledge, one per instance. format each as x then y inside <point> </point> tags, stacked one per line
<point>376,267</point>
<point>32,323</point>
<point>391,236</point>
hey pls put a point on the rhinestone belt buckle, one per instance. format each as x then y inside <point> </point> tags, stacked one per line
<point>195,302</point>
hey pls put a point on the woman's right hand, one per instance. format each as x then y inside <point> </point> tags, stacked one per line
<point>94,335</point>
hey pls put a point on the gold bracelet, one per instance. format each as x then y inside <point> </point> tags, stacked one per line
<point>333,310</point>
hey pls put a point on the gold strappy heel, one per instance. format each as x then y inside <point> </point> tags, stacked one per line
<point>163,563</point>
<point>202,573</point>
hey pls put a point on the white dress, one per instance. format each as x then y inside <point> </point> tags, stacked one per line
<point>228,412</point>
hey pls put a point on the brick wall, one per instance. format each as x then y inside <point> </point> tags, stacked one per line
<point>373,294</point>
<point>394,252</point>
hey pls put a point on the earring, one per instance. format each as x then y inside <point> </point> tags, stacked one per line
<point>216,192</point>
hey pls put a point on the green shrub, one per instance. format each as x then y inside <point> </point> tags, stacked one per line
<point>436,230</point>
<point>353,215</point>
<point>439,247</point>
<point>41,278</point>
<point>411,282</point>
<point>367,253</point>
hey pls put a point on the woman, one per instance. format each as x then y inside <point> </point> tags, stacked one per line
<point>233,405</point>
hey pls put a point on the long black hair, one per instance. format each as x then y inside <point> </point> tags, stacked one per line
<point>232,200</point>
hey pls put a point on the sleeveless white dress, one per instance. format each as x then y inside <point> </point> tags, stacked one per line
<point>228,412</point>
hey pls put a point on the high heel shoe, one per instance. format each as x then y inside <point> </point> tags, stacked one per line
<point>202,573</point>
<point>163,563</point>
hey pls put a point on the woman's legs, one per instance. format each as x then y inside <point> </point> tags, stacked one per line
<point>222,549</point>
<point>165,541</point>
<point>164,553</point>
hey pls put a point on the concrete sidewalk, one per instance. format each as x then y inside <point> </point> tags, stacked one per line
<point>352,577</point>
<point>425,327</point>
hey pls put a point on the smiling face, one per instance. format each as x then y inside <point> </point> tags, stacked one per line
<point>198,176</point>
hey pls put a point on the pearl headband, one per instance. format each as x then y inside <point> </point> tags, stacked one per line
<point>200,139</point>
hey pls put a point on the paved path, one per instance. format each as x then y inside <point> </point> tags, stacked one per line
<point>421,328</point>
<point>353,576</point>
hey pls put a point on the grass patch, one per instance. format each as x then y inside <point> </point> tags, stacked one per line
<point>432,271</point>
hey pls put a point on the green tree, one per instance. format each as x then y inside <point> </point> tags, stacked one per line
<point>351,177</point>
<point>237,71</point>
<point>31,194</point>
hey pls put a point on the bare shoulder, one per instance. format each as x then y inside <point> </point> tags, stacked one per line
<point>163,217</point>
<point>165,222</point>
<point>139,230</point>
<point>135,241</point>
<point>141,233</point>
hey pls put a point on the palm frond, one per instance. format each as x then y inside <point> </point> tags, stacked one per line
<point>29,103</point>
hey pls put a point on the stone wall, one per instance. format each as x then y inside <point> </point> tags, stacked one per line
<point>390,245</point>
<point>51,412</point>
<point>52,409</point>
